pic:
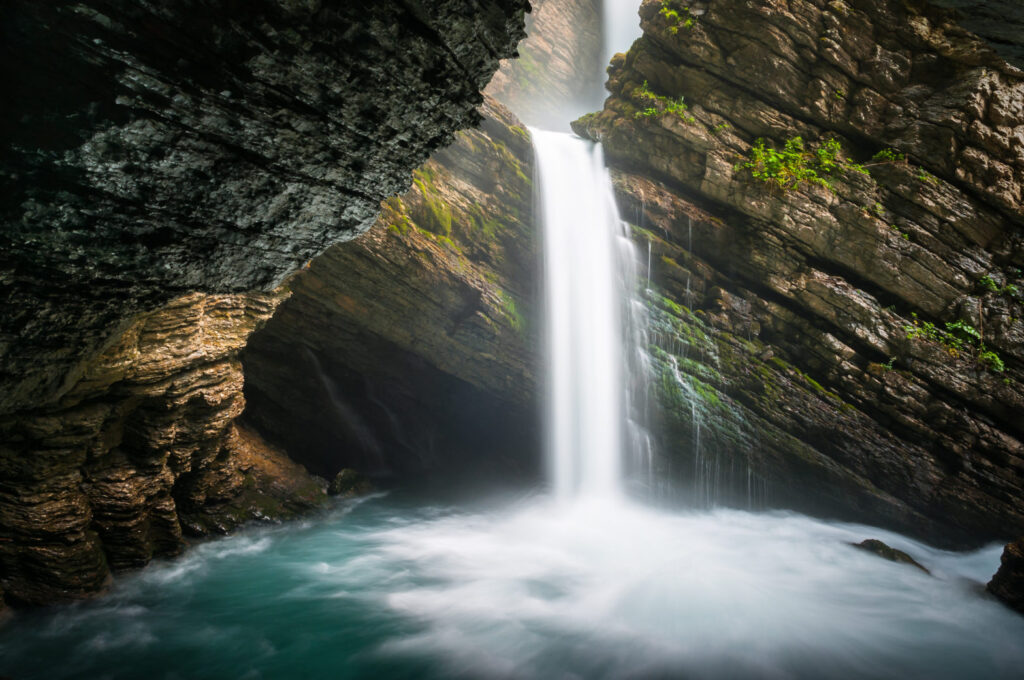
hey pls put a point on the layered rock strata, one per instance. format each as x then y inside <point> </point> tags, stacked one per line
<point>166,166</point>
<point>141,453</point>
<point>840,327</point>
<point>154,149</point>
<point>559,67</point>
<point>364,369</point>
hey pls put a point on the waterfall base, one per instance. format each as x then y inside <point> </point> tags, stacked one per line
<point>394,588</point>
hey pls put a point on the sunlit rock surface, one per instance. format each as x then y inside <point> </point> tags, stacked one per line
<point>412,347</point>
<point>784,352</point>
<point>141,449</point>
<point>166,166</point>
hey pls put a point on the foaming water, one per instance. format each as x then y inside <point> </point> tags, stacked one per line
<point>535,589</point>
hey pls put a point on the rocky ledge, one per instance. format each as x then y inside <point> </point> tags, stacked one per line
<point>166,166</point>
<point>143,452</point>
<point>830,193</point>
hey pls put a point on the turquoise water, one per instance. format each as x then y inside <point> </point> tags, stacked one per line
<point>391,588</point>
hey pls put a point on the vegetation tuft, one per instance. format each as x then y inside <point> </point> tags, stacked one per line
<point>656,105</point>
<point>677,15</point>
<point>959,338</point>
<point>795,164</point>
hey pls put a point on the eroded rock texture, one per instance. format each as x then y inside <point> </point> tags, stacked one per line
<point>142,448</point>
<point>412,347</point>
<point>165,166</point>
<point>153,149</point>
<point>788,325</point>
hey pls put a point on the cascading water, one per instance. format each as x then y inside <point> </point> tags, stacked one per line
<point>621,27</point>
<point>391,588</point>
<point>589,278</point>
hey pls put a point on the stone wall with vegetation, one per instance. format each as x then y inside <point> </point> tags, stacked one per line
<point>830,193</point>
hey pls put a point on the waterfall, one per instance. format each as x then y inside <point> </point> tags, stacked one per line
<point>621,26</point>
<point>591,320</point>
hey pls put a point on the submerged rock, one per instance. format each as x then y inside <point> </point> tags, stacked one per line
<point>350,483</point>
<point>884,551</point>
<point>1008,582</point>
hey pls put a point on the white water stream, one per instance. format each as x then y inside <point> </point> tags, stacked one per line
<point>588,282</point>
<point>621,26</point>
<point>584,585</point>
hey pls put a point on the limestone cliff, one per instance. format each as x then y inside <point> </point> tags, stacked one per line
<point>166,166</point>
<point>412,347</point>
<point>842,300</point>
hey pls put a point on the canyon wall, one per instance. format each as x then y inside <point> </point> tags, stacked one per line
<point>833,330</point>
<point>412,348</point>
<point>166,166</point>
<point>838,315</point>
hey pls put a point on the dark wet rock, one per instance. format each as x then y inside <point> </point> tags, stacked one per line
<point>148,154</point>
<point>412,348</point>
<point>886,552</point>
<point>998,22</point>
<point>166,166</point>
<point>791,323</point>
<point>349,483</point>
<point>266,486</point>
<point>1008,582</point>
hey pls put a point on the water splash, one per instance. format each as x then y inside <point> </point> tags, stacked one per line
<point>535,590</point>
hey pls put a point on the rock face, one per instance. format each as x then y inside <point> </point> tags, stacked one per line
<point>362,368</point>
<point>166,166</point>
<point>999,22</point>
<point>161,148</point>
<point>141,449</point>
<point>1008,583</point>
<point>559,64</point>
<point>845,324</point>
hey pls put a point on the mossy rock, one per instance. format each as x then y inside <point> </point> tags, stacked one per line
<point>349,483</point>
<point>873,545</point>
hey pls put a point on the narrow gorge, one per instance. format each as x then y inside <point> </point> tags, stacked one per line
<point>508,339</point>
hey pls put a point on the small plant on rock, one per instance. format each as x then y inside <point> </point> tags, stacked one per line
<point>889,155</point>
<point>959,337</point>
<point>677,15</point>
<point>796,164</point>
<point>656,105</point>
<point>986,282</point>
